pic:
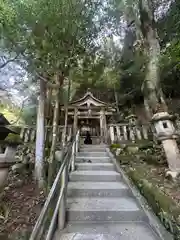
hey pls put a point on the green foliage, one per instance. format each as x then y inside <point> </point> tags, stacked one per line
<point>61,35</point>
<point>53,36</point>
<point>11,113</point>
<point>170,69</point>
<point>29,115</point>
<point>163,206</point>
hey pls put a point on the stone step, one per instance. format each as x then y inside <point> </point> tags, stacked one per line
<point>103,209</point>
<point>103,150</point>
<point>92,159</point>
<point>95,166</point>
<point>98,189</point>
<point>92,154</point>
<point>95,176</point>
<point>94,146</point>
<point>107,231</point>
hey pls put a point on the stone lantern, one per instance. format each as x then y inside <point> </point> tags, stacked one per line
<point>7,159</point>
<point>132,119</point>
<point>7,149</point>
<point>166,133</point>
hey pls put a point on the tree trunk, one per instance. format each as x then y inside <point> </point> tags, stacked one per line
<point>151,86</point>
<point>66,113</point>
<point>52,162</point>
<point>117,101</point>
<point>48,105</point>
<point>147,109</point>
<point>40,137</point>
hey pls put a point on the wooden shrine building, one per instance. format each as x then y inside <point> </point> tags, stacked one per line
<point>90,114</point>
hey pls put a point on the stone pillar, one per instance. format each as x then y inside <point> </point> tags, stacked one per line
<point>145,132</point>
<point>118,132</point>
<point>75,121</point>
<point>125,132</point>
<point>165,132</point>
<point>103,126</point>
<point>138,133</point>
<point>26,137</point>
<point>131,133</point>
<point>33,135</point>
<point>111,129</point>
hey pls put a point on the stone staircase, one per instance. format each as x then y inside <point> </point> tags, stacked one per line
<point>100,204</point>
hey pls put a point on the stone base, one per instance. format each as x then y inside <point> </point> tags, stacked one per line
<point>172,154</point>
<point>172,175</point>
<point>3,177</point>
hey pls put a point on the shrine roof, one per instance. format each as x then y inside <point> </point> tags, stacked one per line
<point>88,99</point>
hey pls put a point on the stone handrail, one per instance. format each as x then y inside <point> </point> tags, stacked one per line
<point>54,207</point>
<point>128,132</point>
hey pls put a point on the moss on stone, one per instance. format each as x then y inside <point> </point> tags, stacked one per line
<point>13,139</point>
<point>141,144</point>
<point>115,146</point>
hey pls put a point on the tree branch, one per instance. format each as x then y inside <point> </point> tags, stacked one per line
<point>50,85</point>
<point>8,61</point>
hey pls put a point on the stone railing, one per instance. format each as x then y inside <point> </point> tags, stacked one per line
<point>127,132</point>
<point>28,133</point>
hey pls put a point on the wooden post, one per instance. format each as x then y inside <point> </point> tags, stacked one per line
<point>50,136</point>
<point>22,133</point>
<point>63,136</point>
<point>69,134</point>
<point>77,142</point>
<point>73,156</point>
<point>112,133</point>
<point>101,126</point>
<point>75,121</point>
<point>105,128</point>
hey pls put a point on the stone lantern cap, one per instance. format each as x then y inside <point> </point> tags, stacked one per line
<point>162,116</point>
<point>131,117</point>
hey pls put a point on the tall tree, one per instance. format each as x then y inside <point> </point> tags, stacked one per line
<point>51,35</point>
<point>40,135</point>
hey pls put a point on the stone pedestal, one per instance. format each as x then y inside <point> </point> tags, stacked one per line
<point>7,159</point>
<point>166,133</point>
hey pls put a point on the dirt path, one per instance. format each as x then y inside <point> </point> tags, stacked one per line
<point>20,206</point>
